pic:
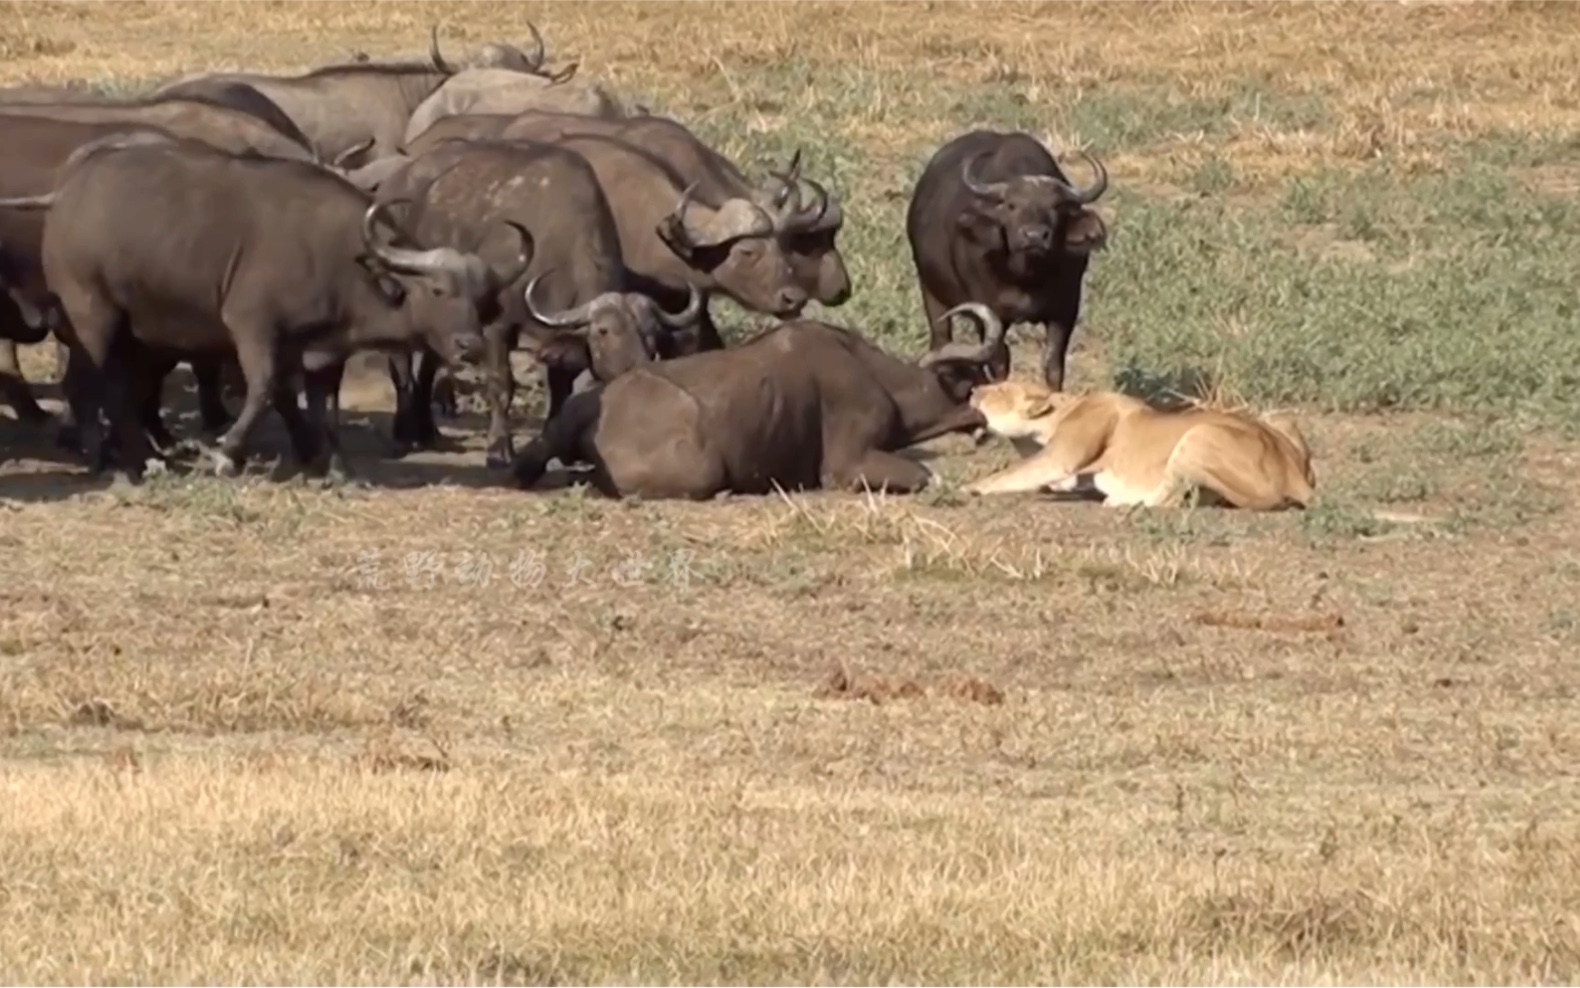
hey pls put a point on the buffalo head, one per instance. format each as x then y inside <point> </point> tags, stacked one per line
<point>808,233</point>
<point>446,294</point>
<point>962,366</point>
<point>496,55</point>
<point>1038,215</point>
<point>737,248</point>
<point>619,329</point>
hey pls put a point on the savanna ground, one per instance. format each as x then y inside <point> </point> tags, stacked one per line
<point>862,739</point>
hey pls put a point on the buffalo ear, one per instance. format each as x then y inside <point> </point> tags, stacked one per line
<point>1085,231</point>
<point>386,284</point>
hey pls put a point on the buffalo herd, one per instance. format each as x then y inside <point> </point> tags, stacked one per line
<point>263,229</point>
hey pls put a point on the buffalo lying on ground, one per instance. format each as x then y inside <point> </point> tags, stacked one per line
<point>491,91</point>
<point>173,247</point>
<point>802,405</point>
<point>345,106</point>
<point>994,220</point>
<point>577,310</point>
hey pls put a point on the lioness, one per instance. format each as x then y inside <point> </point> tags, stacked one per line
<point>1140,455</point>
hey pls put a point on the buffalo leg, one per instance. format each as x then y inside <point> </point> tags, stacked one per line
<point>878,470</point>
<point>413,425</point>
<point>428,365</point>
<point>322,386</point>
<point>14,386</point>
<point>208,372</point>
<point>400,371</point>
<point>561,380</point>
<point>255,351</point>
<point>124,383</point>
<point>1053,358</point>
<point>500,384</point>
<point>305,445</point>
<point>149,395</point>
<point>559,439</point>
<point>96,326</point>
<point>444,399</point>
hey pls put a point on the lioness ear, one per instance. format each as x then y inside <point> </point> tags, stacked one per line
<point>1040,407</point>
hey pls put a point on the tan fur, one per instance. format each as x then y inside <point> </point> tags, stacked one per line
<point>1140,455</point>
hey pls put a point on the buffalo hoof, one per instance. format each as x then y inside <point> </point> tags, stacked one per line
<point>499,457</point>
<point>224,463</point>
<point>528,470</point>
<point>445,404</point>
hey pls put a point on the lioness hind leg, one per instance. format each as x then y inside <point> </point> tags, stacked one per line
<point>1229,467</point>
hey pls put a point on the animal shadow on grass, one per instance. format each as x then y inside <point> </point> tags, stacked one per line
<point>1169,391</point>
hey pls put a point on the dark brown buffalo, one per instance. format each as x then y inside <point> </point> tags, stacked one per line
<point>175,248</point>
<point>994,220</point>
<point>361,103</point>
<point>576,310</point>
<point>807,234</point>
<point>802,405</point>
<point>674,237</point>
<point>32,151</point>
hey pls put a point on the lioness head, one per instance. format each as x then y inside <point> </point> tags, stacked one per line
<point>1015,409</point>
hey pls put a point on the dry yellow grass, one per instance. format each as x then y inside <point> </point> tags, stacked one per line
<point>1249,750</point>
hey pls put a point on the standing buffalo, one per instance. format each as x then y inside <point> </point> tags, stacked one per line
<point>802,405</point>
<point>674,236</point>
<point>806,235</point>
<point>341,107</point>
<point>994,220</point>
<point>32,151</point>
<point>176,248</point>
<point>577,309</point>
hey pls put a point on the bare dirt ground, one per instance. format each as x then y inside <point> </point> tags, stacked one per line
<point>440,730</point>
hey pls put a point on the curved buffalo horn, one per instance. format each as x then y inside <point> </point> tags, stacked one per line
<point>810,217</point>
<point>433,52</point>
<point>568,319</point>
<point>685,317</point>
<point>564,75</point>
<point>992,190</point>
<point>349,153</point>
<point>992,328</point>
<point>679,212</point>
<point>400,259</point>
<point>529,247</point>
<point>30,202</point>
<point>1088,195</point>
<point>788,180</point>
<point>536,59</point>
